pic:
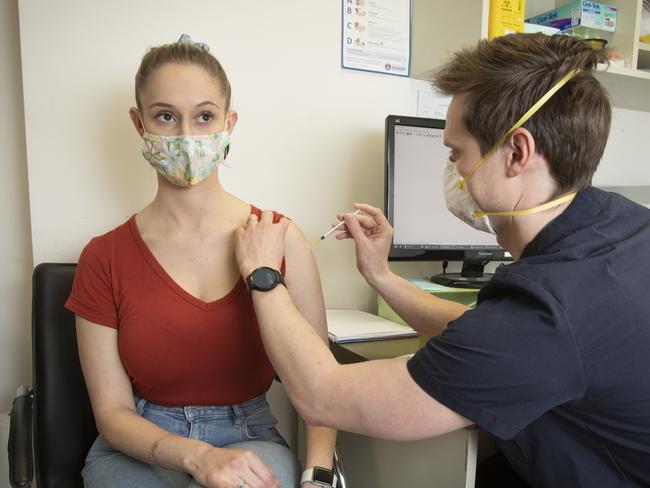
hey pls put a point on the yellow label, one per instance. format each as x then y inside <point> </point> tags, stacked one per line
<point>506,17</point>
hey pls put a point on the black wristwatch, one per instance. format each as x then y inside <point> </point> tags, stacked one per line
<point>264,279</point>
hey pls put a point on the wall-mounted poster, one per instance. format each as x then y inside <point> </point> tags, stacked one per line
<point>376,36</point>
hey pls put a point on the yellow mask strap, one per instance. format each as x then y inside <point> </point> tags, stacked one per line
<point>519,123</point>
<point>540,208</point>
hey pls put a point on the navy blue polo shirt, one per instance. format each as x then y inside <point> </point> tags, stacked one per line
<point>555,359</point>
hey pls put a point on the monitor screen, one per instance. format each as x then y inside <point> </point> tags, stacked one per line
<point>415,203</point>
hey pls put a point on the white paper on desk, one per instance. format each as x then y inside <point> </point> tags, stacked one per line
<point>356,326</point>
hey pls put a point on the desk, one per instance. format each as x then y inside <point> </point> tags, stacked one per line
<point>448,461</point>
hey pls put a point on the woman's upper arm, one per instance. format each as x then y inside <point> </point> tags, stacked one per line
<point>106,379</point>
<point>303,280</point>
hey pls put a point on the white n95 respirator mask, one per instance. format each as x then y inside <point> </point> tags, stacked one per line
<point>460,202</point>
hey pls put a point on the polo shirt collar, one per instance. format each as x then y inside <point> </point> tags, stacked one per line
<point>582,212</point>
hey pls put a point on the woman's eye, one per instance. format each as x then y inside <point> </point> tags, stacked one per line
<point>165,116</point>
<point>206,117</point>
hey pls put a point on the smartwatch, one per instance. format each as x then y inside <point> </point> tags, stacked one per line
<point>264,279</point>
<point>319,476</point>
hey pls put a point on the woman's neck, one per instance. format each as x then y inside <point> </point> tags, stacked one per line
<point>196,209</point>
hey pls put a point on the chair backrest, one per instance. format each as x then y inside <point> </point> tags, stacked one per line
<point>64,426</point>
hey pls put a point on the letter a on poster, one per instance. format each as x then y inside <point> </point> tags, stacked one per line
<point>376,36</point>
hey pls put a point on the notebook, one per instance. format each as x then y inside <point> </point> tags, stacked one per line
<point>357,326</point>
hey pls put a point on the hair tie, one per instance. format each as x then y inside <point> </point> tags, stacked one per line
<point>185,38</point>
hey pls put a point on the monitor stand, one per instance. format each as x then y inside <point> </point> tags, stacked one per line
<point>471,276</point>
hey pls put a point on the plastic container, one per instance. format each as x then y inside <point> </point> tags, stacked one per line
<point>645,23</point>
<point>506,17</point>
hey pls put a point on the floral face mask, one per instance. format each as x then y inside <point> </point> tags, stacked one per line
<point>185,160</point>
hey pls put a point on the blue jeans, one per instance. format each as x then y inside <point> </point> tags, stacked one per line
<point>249,425</point>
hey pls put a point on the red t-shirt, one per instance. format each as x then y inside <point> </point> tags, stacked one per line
<point>176,348</point>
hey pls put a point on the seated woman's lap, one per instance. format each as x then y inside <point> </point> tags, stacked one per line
<point>107,468</point>
<point>249,425</point>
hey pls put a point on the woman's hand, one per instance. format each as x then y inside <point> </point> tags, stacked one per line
<point>372,236</point>
<point>260,243</point>
<point>228,468</point>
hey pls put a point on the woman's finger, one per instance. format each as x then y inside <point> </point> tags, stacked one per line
<point>262,472</point>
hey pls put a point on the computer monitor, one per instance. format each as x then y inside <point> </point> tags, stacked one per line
<point>424,230</point>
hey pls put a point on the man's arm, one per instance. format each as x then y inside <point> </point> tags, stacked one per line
<point>426,313</point>
<point>374,398</point>
<point>377,398</point>
<point>373,234</point>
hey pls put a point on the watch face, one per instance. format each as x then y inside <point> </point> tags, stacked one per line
<point>323,475</point>
<point>264,278</point>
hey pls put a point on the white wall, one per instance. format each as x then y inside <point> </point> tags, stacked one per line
<point>309,142</point>
<point>15,245</point>
<point>626,161</point>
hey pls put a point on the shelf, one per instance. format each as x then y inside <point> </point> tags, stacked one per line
<point>622,71</point>
<point>441,28</point>
<point>627,87</point>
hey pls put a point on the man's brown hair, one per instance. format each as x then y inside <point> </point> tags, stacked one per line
<point>501,79</point>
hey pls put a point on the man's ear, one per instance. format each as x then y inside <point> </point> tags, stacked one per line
<point>521,145</point>
<point>134,115</point>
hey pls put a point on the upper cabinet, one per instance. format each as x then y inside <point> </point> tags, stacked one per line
<point>442,27</point>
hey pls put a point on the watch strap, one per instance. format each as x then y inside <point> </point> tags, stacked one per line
<point>308,475</point>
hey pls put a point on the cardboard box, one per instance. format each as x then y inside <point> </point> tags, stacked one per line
<point>582,18</point>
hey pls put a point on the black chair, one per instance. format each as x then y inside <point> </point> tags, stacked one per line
<point>63,422</point>
<point>56,416</point>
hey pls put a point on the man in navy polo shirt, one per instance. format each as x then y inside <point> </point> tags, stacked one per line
<point>554,359</point>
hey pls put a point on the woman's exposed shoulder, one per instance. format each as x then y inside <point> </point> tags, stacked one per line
<point>295,240</point>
